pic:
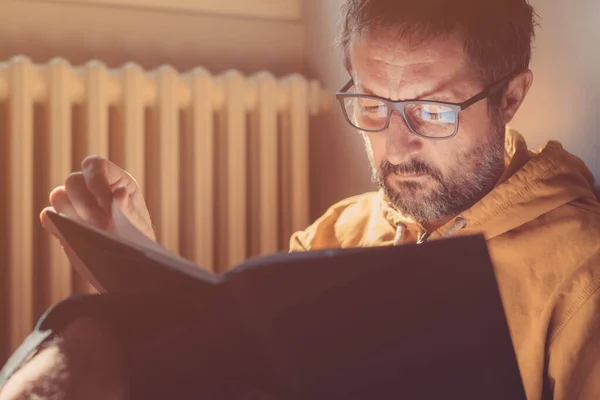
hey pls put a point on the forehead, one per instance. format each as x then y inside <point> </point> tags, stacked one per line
<point>394,68</point>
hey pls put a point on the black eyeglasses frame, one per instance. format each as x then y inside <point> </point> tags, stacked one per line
<point>399,105</point>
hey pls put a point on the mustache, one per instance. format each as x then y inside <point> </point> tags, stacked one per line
<point>410,167</point>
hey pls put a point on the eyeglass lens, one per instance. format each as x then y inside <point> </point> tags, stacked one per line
<point>426,119</point>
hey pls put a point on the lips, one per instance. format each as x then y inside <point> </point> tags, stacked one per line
<point>409,175</point>
<point>409,172</point>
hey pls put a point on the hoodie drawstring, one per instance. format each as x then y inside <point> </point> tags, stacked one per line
<point>399,233</point>
<point>459,223</point>
<point>423,238</point>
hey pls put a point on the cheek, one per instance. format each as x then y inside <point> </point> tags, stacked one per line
<point>450,154</point>
<point>475,129</point>
<point>475,125</point>
<point>442,154</point>
<point>375,144</point>
<point>447,154</point>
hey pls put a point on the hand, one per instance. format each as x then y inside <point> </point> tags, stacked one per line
<point>87,196</point>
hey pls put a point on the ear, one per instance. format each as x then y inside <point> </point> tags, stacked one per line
<point>515,94</point>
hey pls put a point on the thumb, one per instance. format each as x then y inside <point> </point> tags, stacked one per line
<point>124,200</point>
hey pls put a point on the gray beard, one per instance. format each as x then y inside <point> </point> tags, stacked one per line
<point>476,174</point>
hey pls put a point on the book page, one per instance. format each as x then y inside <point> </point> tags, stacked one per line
<point>98,254</point>
<point>124,228</point>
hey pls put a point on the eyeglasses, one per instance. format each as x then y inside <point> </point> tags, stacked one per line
<point>429,119</point>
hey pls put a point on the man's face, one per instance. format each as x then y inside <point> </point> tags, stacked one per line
<point>429,180</point>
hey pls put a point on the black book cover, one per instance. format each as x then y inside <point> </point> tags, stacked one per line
<point>412,322</point>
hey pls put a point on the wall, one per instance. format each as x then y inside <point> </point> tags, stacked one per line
<point>44,29</point>
<point>564,99</point>
<point>339,165</point>
<point>561,105</point>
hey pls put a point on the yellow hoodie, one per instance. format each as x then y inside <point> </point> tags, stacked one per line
<point>542,225</point>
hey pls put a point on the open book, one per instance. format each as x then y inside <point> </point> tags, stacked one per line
<point>412,322</point>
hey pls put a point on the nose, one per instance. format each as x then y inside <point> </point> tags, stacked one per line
<point>401,143</point>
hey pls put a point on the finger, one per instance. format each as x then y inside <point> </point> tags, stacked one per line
<point>74,259</point>
<point>48,225</point>
<point>102,177</point>
<point>84,201</point>
<point>95,174</point>
<point>59,200</point>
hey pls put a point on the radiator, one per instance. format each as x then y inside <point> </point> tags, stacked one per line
<point>223,162</point>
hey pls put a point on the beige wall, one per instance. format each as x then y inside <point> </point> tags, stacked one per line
<point>43,29</point>
<point>339,165</point>
<point>564,100</point>
<point>562,104</point>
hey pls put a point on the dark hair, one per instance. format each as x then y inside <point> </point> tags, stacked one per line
<point>497,33</point>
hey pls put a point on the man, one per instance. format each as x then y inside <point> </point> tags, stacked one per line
<point>433,85</point>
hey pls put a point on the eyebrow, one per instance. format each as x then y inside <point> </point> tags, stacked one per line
<point>444,96</point>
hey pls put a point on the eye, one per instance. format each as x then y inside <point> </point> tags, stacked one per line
<point>437,113</point>
<point>376,109</point>
<point>371,106</point>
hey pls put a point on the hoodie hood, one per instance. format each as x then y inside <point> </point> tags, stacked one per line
<point>534,183</point>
